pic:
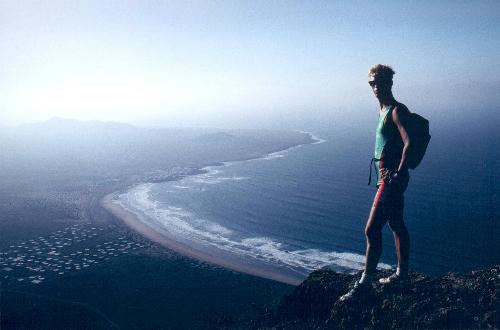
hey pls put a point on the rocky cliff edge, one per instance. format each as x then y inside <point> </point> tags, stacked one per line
<point>454,301</point>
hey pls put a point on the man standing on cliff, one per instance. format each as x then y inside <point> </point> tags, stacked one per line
<point>391,150</point>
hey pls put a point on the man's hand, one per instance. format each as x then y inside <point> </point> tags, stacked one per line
<point>393,177</point>
<point>388,175</point>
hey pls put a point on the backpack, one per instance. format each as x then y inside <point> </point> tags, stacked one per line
<point>417,128</point>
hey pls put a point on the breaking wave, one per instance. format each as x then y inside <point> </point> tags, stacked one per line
<point>181,225</point>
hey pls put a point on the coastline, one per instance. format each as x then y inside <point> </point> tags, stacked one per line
<point>132,221</point>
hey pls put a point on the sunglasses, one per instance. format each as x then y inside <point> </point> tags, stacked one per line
<point>377,82</point>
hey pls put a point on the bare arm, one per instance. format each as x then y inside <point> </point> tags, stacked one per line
<point>398,117</point>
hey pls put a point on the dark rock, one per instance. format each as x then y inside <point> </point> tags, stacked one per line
<point>454,301</point>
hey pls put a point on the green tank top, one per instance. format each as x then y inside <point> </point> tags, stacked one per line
<point>383,134</point>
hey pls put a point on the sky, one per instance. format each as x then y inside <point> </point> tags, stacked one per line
<point>241,63</point>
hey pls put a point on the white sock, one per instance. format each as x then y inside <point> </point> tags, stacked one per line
<point>399,273</point>
<point>365,278</point>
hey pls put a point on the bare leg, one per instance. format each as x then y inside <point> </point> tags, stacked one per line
<point>402,242</point>
<point>373,232</point>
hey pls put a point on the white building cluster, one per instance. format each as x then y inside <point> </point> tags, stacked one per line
<point>68,250</point>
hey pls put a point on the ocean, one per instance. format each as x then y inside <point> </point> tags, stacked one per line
<point>305,208</point>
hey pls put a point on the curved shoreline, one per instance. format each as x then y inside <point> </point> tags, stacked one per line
<point>132,221</point>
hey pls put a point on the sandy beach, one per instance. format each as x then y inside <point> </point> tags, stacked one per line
<point>131,220</point>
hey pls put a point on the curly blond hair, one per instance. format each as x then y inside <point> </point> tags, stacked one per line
<point>381,70</point>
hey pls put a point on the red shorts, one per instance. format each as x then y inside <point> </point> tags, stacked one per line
<point>389,199</point>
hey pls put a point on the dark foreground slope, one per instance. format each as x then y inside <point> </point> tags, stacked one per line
<point>454,301</point>
<point>151,289</point>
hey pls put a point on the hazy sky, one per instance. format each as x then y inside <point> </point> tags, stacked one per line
<point>190,63</point>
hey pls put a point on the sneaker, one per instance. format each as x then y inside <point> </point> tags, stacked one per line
<point>357,290</point>
<point>395,279</point>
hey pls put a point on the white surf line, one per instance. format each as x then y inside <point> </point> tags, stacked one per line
<point>313,136</point>
<point>180,225</point>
